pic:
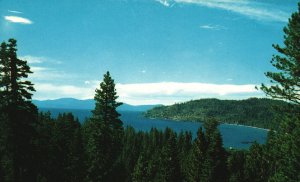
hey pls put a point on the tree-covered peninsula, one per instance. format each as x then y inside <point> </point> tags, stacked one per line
<point>253,111</point>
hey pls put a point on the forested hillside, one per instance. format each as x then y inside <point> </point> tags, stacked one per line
<point>253,112</point>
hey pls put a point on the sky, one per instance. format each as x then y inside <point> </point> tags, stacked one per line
<point>157,51</point>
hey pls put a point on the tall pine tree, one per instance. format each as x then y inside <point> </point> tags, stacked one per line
<point>285,84</point>
<point>197,157</point>
<point>287,80</point>
<point>103,134</point>
<point>20,114</point>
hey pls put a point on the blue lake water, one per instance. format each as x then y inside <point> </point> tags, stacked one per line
<point>235,136</point>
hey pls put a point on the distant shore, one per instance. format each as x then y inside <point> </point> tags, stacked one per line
<point>176,120</point>
<point>247,126</point>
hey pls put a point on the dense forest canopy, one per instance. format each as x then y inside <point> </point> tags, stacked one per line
<point>253,112</point>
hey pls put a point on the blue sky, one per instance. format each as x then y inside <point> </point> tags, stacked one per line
<point>158,51</point>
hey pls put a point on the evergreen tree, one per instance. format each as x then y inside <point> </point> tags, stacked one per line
<point>208,157</point>
<point>285,144</point>
<point>14,72</point>
<point>4,73</point>
<point>132,144</point>
<point>169,166</point>
<point>197,157</point>
<point>140,173</point>
<point>184,147</point>
<point>214,164</point>
<point>96,152</point>
<point>256,165</point>
<point>21,114</point>
<point>46,167</point>
<point>106,111</point>
<point>288,63</point>
<point>103,134</point>
<point>235,163</point>
<point>106,104</point>
<point>68,148</point>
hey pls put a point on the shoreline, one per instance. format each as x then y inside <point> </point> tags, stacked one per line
<point>247,126</point>
<point>176,120</point>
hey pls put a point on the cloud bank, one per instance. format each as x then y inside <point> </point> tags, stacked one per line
<point>18,19</point>
<point>150,93</point>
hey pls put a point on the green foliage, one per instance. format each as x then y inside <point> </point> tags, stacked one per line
<point>256,164</point>
<point>97,150</point>
<point>197,157</point>
<point>132,146</point>
<point>283,146</point>
<point>19,113</point>
<point>253,111</point>
<point>14,71</point>
<point>103,134</point>
<point>235,165</point>
<point>68,145</point>
<point>36,147</point>
<point>207,156</point>
<point>45,148</point>
<point>286,81</point>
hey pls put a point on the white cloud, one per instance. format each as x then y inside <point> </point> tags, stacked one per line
<point>45,70</point>
<point>164,2</point>
<point>33,59</point>
<point>182,89</point>
<point>38,69</point>
<point>207,27</point>
<point>18,19</point>
<point>252,9</point>
<point>46,74</point>
<point>52,91</point>
<point>39,59</point>
<point>213,27</point>
<point>151,93</point>
<point>172,92</point>
<point>13,11</point>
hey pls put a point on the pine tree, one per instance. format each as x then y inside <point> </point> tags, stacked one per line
<point>285,144</point>
<point>169,167</point>
<point>106,103</point>
<point>132,144</point>
<point>21,114</point>
<point>4,73</point>
<point>235,164</point>
<point>46,165</point>
<point>96,152</point>
<point>68,148</point>
<point>256,165</point>
<point>287,80</point>
<point>103,134</point>
<point>184,147</point>
<point>214,165</point>
<point>197,157</point>
<point>15,71</point>
<point>106,111</point>
<point>140,173</point>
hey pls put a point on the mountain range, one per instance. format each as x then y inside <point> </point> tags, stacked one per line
<point>88,104</point>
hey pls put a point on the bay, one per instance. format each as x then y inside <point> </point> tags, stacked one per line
<point>235,136</point>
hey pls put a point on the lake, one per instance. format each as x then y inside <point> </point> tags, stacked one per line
<point>235,136</point>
